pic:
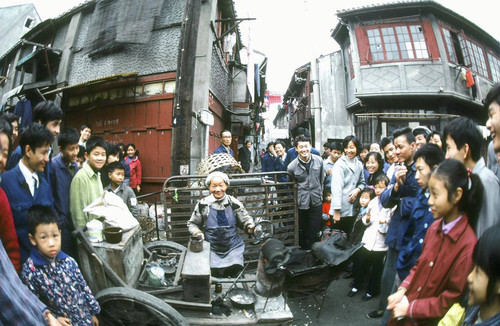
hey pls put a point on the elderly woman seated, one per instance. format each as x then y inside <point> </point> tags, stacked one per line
<point>215,219</point>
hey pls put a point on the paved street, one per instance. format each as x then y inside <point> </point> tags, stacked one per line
<point>338,309</point>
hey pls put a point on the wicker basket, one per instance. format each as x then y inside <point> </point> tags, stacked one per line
<point>219,162</point>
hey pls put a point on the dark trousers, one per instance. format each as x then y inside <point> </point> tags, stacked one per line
<point>309,226</point>
<point>369,264</point>
<point>388,277</point>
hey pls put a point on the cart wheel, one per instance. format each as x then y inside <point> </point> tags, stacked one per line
<point>164,248</point>
<point>127,306</point>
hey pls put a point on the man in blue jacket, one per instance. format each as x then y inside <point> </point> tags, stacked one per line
<point>403,184</point>
<point>49,114</point>
<point>64,168</point>
<point>24,184</point>
<point>426,159</point>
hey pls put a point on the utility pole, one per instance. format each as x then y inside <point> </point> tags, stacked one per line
<point>184,84</point>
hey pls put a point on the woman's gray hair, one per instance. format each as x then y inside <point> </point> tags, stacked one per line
<point>215,174</point>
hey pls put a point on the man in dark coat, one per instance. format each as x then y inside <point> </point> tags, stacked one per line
<point>245,156</point>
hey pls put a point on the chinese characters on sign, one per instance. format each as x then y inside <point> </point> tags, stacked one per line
<point>104,123</point>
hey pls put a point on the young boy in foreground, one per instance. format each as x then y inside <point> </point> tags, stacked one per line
<point>54,276</point>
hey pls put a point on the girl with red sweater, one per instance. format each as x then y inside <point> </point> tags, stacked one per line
<point>135,168</point>
<point>439,278</point>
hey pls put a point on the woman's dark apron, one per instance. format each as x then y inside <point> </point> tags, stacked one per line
<point>226,245</point>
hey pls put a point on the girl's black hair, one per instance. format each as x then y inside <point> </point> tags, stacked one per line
<point>114,149</point>
<point>378,158</point>
<point>133,146</point>
<point>369,191</point>
<point>454,175</point>
<point>382,178</point>
<point>81,152</point>
<point>430,153</point>
<point>487,257</point>
<point>356,142</point>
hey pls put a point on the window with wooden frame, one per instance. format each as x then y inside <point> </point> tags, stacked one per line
<point>474,56</point>
<point>494,63</point>
<point>463,51</point>
<point>397,43</point>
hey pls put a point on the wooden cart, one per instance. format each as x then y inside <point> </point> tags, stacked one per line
<point>119,274</point>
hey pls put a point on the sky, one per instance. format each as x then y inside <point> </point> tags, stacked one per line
<point>292,32</point>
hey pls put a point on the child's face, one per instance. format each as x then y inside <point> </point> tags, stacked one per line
<point>372,165</point>
<point>423,173</point>
<point>47,239</point>
<point>80,161</point>
<point>113,158</point>
<point>130,151</point>
<point>364,200</point>
<point>328,198</point>
<point>70,152</point>
<point>351,151</point>
<point>116,177</point>
<point>438,199</point>
<point>478,284</point>
<point>335,155</point>
<point>96,158</point>
<point>379,188</point>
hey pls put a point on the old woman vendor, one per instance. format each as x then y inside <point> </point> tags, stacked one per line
<point>215,219</point>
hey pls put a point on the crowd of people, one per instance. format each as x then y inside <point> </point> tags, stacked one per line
<point>424,205</point>
<point>418,201</point>
<point>42,197</point>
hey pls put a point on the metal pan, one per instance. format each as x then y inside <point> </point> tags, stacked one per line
<point>241,298</point>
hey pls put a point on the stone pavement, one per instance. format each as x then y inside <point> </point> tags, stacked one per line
<point>338,309</point>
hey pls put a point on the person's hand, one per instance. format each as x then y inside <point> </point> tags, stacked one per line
<point>138,188</point>
<point>353,195</point>
<point>401,309</point>
<point>329,171</point>
<point>336,216</point>
<point>395,298</point>
<point>51,319</point>
<point>400,176</point>
<point>95,321</point>
<point>64,321</point>
<point>367,217</point>
<point>200,235</point>
<point>251,229</point>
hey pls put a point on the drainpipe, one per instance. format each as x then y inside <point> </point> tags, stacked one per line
<point>316,107</point>
<point>314,80</point>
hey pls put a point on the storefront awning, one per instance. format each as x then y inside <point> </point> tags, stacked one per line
<point>11,93</point>
<point>93,82</point>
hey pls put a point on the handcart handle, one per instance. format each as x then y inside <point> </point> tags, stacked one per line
<point>79,233</point>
